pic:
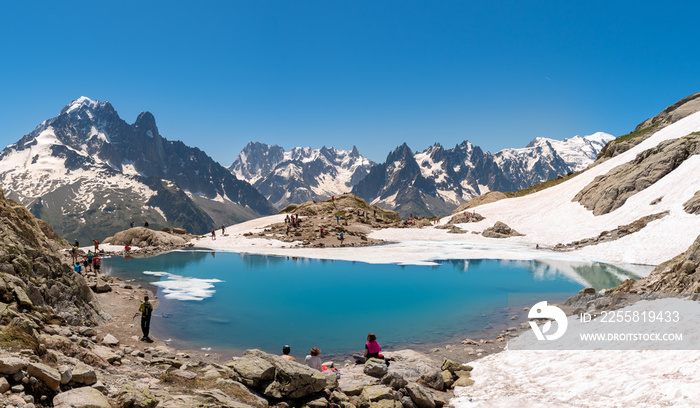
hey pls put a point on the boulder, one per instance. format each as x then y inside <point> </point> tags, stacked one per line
<point>500,230</point>
<point>447,378</point>
<point>410,364</point>
<point>66,374</point>
<point>452,366</point>
<point>101,286</point>
<point>11,365</point>
<point>184,374</point>
<point>133,396</point>
<point>394,380</point>
<point>253,370</point>
<point>434,380</point>
<point>419,396</point>
<point>241,392</point>
<point>85,397</point>
<point>48,375</point>
<point>375,367</point>
<point>463,382</point>
<point>319,402</point>
<point>4,385</point>
<point>276,377</point>
<point>106,353</point>
<point>110,340</point>
<point>83,374</point>
<point>385,403</point>
<point>217,398</point>
<point>180,231</point>
<point>407,402</point>
<point>141,236</point>
<point>22,297</point>
<point>377,392</point>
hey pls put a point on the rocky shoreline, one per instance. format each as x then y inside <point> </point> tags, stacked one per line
<point>88,354</point>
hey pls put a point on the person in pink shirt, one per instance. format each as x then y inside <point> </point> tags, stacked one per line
<point>372,348</point>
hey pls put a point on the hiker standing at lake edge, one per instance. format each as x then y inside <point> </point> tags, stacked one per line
<point>146,310</point>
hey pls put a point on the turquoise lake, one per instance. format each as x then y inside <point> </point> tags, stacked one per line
<point>231,302</point>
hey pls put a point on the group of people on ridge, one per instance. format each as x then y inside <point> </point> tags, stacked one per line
<point>91,261</point>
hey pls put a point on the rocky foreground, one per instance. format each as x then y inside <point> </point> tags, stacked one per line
<point>70,341</point>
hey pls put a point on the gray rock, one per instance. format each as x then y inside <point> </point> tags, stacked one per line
<point>375,367</point>
<point>419,396</point>
<point>410,364</point>
<point>609,192</point>
<point>278,378</point>
<point>407,402</point>
<point>253,370</point>
<point>385,403</point>
<point>101,286</point>
<point>242,393</point>
<point>110,340</point>
<point>66,374</point>
<point>4,385</point>
<point>434,380</point>
<point>11,365</point>
<point>17,388</point>
<point>319,402</point>
<point>49,375</point>
<point>22,297</point>
<point>500,230</point>
<point>394,380</point>
<point>133,396</point>
<point>184,374</point>
<point>377,392</point>
<point>143,237</point>
<point>107,354</point>
<point>83,374</point>
<point>451,365</point>
<point>85,397</point>
<point>215,398</point>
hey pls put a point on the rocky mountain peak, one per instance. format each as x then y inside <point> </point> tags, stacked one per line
<point>146,124</point>
<point>401,154</point>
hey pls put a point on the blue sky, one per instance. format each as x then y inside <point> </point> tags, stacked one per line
<point>341,73</point>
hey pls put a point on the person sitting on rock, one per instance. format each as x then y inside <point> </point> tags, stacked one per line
<point>285,353</point>
<point>372,349</point>
<point>313,360</point>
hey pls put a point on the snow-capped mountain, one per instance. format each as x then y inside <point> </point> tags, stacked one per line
<point>579,151</point>
<point>88,173</point>
<point>301,174</point>
<point>438,180</point>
